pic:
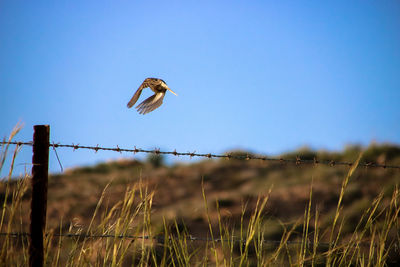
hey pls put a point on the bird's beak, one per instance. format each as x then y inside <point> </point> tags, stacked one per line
<point>172,92</point>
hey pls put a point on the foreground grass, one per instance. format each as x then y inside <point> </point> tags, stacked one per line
<point>124,234</point>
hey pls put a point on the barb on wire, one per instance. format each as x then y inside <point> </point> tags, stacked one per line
<point>296,161</point>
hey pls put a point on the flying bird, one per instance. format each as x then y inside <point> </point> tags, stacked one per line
<point>159,87</point>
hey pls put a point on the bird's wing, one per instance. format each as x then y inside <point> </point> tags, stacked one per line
<point>151,103</point>
<point>135,97</point>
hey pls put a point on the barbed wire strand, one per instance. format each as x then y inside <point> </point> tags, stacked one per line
<point>297,161</point>
<point>162,239</point>
<point>158,237</point>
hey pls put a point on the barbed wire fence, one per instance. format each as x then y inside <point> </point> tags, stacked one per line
<point>41,145</point>
<point>191,238</point>
<point>297,161</point>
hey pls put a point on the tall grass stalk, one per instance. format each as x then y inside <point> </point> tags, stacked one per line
<point>214,249</point>
<point>306,224</point>
<point>253,226</point>
<point>333,243</point>
<point>12,200</point>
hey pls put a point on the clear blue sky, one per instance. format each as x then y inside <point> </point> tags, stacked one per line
<point>267,76</point>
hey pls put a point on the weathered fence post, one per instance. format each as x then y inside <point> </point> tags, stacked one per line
<point>40,164</point>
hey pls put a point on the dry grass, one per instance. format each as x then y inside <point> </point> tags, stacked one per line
<point>238,207</point>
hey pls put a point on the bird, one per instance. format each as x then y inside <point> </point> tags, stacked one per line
<point>159,87</point>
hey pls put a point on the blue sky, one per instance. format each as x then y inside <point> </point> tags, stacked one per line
<point>266,76</point>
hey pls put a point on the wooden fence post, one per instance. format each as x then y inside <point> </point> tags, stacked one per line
<point>40,166</point>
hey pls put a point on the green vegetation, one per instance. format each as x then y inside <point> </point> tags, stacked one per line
<point>156,160</point>
<point>249,213</point>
